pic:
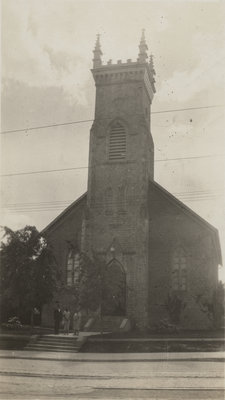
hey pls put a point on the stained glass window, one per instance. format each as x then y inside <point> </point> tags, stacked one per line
<point>73,268</point>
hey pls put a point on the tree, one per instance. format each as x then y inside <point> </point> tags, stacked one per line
<point>214,307</point>
<point>28,272</point>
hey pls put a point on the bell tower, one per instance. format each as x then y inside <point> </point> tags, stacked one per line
<point>121,163</point>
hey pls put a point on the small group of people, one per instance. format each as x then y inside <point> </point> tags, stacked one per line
<point>64,317</point>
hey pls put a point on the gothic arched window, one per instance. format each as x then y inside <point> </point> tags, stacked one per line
<point>114,289</point>
<point>179,269</point>
<point>72,268</point>
<point>117,142</point>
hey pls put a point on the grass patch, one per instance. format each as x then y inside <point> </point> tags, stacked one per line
<point>214,334</point>
<point>103,346</point>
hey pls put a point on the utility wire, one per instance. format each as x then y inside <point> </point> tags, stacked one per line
<point>53,207</point>
<point>195,193</point>
<point>46,126</point>
<point>48,206</point>
<point>187,109</point>
<point>58,208</point>
<point>91,120</point>
<point>43,171</point>
<point>189,192</point>
<point>77,168</point>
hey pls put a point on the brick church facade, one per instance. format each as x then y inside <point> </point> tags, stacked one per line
<point>160,247</point>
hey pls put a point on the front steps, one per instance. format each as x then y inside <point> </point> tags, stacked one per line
<point>56,343</point>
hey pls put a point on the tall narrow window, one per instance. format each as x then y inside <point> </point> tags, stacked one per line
<point>73,268</point>
<point>117,142</point>
<point>179,270</point>
<point>69,277</point>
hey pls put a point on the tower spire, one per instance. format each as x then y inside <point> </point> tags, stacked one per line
<point>142,56</point>
<point>97,61</point>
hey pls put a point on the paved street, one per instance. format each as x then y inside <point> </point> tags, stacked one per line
<point>109,377</point>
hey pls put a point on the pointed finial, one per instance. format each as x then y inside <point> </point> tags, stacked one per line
<point>143,35</point>
<point>97,44</point>
<point>151,64</point>
<point>142,56</point>
<point>97,62</point>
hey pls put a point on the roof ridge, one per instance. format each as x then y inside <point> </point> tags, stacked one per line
<point>192,213</point>
<point>184,206</point>
<point>62,214</point>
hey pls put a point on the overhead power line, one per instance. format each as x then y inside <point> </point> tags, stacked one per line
<point>86,167</point>
<point>68,201</point>
<point>187,109</point>
<point>63,206</point>
<point>188,196</point>
<point>91,120</point>
<point>46,126</point>
<point>43,171</point>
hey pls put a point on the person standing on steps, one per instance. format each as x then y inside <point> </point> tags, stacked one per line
<point>66,319</point>
<point>57,318</point>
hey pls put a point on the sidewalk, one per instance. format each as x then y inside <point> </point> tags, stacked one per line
<point>158,355</point>
<point>160,339</point>
<point>113,357</point>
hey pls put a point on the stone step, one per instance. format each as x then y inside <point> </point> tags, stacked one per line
<point>53,345</point>
<point>50,343</point>
<point>57,337</point>
<point>49,340</point>
<point>53,349</point>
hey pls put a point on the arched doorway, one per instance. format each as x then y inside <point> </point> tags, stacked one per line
<point>114,290</point>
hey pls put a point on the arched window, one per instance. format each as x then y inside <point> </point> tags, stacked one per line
<point>73,268</point>
<point>179,269</point>
<point>108,200</point>
<point>114,289</point>
<point>117,142</point>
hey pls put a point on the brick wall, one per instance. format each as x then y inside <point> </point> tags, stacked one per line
<point>171,227</point>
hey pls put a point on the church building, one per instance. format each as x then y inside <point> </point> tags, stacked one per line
<point>160,249</point>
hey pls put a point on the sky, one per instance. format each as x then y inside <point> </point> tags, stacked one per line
<point>46,79</point>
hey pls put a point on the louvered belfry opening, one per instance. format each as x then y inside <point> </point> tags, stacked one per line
<point>117,142</point>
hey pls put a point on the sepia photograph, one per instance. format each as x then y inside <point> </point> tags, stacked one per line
<point>112,230</point>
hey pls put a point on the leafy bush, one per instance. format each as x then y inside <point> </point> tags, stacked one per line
<point>174,306</point>
<point>165,326</point>
<point>13,323</point>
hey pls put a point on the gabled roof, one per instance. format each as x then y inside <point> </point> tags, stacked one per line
<point>190,213</point>
<point>168,196</point>
<point>64,213</point>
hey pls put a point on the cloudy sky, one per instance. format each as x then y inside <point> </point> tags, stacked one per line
<point>46,60</point>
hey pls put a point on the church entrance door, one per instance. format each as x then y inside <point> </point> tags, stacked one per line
<point>114,290</point>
